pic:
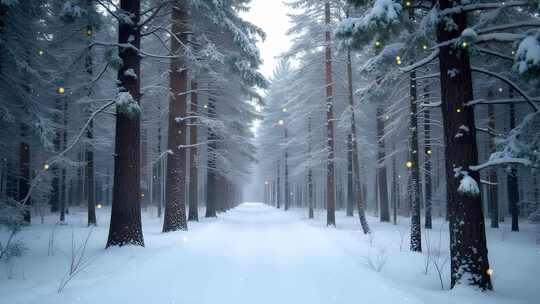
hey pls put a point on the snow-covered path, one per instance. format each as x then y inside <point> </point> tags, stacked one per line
<point>252,254</point>
<point>257,254</point>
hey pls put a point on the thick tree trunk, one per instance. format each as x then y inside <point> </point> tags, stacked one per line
<point>175,196</point>
<point>211,184</point>
<point>125,227</point>
<point>468,248</point>
<point>330,174</point>
<point>193,173</point>
<point>381,168</point>
<point>427,164</point>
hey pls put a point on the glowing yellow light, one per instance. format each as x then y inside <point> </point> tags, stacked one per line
<point>513,52</point>
<point>429,152</point>
<point>464,44</point>
<point>284,110</point>
<point>61,90</point>
<point>409,164</point>
<point>46,167</point>
<point>424,47</point>
<point>398,60</point>
<point>99,206</point>
<point>206,106</point>
<point>89,33</point>
<point>489,272</point>
<point>281,122</point>
<point>458,110</point>
<point>377,43</point>
<point>40,52</point>
<point>408,3</point>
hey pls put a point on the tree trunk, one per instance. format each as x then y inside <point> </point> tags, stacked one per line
<point>278,186</point>
<point>493,196</point>
<point>350,190</point>
<point>512,178</point>
<point>63,177</point>
<point>193,173</point>
<point>381,168</point>
<point>90,185</point>
<point>287,202</point>
<point>89,172</point>
<point>416,233</point>
<point>24,172</point>
<point>310,174</point>
<point>175,196</point>
<point>125,227</point>
<point>468,248</point>
<point>358,191</point>
<point>211,184</point>
<point>330,174</point>
<point>427,164</point>
<point>395,190</point>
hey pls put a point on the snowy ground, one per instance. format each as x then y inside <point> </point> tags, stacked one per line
<point>257,254</point>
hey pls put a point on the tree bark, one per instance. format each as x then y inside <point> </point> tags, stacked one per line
<point>330,174</point>
<point>358,192</point>
<point>211,183</point>
<point>427,164</point>
<point>125,227</point>
<point>468,248</point>
<point>287,191</point>
<point>512,178</point>
<point>381,168</point>
<point>193,173</point>
<point>175,196</point>
<point>89,172</point>
<point>310,174</point>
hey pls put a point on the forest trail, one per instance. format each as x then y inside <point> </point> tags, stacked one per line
<point>258,254</point>
<point>253,254</point>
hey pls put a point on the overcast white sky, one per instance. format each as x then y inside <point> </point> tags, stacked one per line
<point>271,16</point>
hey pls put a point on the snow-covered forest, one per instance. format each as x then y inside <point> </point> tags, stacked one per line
<point>148,156</point>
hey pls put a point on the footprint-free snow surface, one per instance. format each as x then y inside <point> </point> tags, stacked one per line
<point>255,254</point>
